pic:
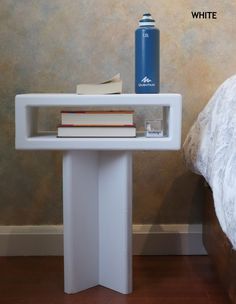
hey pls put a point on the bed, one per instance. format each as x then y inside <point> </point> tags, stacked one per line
<point>219,247</point>
<point>210,150</point>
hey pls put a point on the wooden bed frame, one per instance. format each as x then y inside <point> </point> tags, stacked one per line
<point>219,247</point>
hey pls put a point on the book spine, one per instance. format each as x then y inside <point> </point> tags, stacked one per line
<point>95,125</point>
<point>97,112</point>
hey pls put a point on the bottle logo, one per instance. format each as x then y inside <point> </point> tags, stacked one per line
<point>146,82</point>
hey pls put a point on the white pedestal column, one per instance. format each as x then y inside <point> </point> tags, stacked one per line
<point>97,202</point>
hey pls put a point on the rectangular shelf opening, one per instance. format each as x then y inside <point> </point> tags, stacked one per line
<point>37,117</point>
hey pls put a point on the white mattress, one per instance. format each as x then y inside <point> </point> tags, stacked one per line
<point>210,150</point>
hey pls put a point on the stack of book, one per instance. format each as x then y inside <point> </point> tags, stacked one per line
<point>96,124</point>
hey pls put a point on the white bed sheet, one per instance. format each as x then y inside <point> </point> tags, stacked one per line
<point>210,150</point>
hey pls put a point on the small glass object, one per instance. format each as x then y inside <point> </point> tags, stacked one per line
<point>154,128</point>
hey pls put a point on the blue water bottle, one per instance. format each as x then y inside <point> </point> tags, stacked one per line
<point>147,56</point>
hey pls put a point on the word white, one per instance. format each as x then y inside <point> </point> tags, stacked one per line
<point>204,15</point>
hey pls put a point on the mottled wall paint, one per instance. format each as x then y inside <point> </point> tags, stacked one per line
<point>50,46</point>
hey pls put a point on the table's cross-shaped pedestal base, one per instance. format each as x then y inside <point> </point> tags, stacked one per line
<point>97,196</point>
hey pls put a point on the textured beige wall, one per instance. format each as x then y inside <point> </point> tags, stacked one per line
<point>50,46</point>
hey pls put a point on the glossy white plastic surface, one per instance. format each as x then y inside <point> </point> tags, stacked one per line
<point>97,185</point>
<point>27,137</point>
<point>97,196</point>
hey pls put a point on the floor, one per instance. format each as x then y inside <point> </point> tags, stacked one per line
<point>157,280</point>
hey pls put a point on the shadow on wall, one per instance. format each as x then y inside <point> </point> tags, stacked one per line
<point>170,238</point>
<point>188,187</point>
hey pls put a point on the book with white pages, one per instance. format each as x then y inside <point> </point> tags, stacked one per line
<point>96,131</point>
<point>111,117</point>
<point>111,86</point>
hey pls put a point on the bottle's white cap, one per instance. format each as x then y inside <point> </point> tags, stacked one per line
<point>146,20</point>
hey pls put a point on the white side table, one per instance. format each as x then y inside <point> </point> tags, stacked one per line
<point>97,185</point>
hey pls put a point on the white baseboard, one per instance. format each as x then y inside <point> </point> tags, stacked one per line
<point>147,240</point>
<point>31,240</point>
<point>168,239</point>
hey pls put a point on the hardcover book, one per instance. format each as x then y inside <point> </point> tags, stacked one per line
<point>112,86</point>
<point>97,117</point>
<point>96,131</point>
